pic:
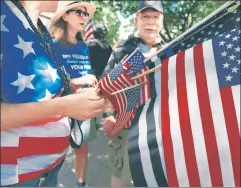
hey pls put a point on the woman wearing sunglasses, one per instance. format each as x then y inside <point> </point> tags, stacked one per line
<point>35,129</point>
<point>67,26</point>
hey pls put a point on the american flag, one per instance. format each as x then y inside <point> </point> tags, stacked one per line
<point>139,68</point>
<point>220,23</point>
<point>189,134</point>
<point>126,102</point>
<point>88,31</point>
<point>212,30</point>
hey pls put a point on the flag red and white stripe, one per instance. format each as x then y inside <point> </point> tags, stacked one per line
<point>89,31</point>
<point>145,88</point>
<point>200,121</point>
<point>119,100</point>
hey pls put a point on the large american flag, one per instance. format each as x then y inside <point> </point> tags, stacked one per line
<point>188,133</point>
<point>125,103</point>
<point>89,31</point>
<point>216,25</point>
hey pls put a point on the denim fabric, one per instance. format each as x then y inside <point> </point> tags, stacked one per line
<point>48,179</point>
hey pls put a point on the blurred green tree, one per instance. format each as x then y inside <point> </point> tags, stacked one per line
<point>179,15</point>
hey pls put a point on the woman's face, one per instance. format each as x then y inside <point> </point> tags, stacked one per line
<point>76,18</point>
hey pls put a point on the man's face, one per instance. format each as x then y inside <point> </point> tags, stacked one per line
<point>149,23</point>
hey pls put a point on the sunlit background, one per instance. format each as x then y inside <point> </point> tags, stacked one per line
<point>179,16</point>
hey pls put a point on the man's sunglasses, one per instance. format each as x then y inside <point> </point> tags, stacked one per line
<point>79,12</point>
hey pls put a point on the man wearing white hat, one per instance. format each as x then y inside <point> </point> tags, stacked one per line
<point>149,22</point>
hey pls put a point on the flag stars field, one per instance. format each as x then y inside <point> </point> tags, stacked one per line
<point>235,69</point>
<point>229,78</point>
<point>232,57</point>
<point>221,43</point>
<point>237,49</point>
<point>226,65</point>
<point>235,38</point>
<point>227,36</point>
<point>229,46</point>
<point>224,53</point>
<point>220,26</point>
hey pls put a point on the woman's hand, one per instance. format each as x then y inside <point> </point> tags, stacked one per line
<point>88,79</point>
<point>84,105</point>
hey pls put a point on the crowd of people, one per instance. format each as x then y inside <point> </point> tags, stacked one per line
<point>54,80</point>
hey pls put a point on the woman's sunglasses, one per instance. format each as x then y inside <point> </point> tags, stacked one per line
<point>79,13</point>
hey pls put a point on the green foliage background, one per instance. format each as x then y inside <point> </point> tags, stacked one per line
<point>178,15</point>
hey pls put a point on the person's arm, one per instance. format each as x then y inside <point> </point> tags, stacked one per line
<point>14,115</point>
<point>79,106</point>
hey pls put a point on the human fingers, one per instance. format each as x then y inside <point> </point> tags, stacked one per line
<point>90,77</point>
<point>108,125</point>
<point>93,80</point>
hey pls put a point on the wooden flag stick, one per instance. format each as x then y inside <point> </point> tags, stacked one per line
<point>97,89</point>
<point>125,89</point>
<point>147,72</point>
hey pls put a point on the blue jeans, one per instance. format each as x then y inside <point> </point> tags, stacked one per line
<point>48,179</point>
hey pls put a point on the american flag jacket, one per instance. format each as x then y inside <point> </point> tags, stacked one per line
<point>28,74</point>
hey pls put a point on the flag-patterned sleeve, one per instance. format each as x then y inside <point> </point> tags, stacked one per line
<point>28,74</point>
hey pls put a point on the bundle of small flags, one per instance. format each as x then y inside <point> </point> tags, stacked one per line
<point>121,79</point>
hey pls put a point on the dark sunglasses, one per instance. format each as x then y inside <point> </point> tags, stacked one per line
<point>79,12</point>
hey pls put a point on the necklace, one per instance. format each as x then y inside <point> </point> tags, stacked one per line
<point>48,45</point>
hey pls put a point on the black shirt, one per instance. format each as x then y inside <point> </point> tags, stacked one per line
<point>100,52</point>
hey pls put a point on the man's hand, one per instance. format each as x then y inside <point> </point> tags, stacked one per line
<point>109,123</point>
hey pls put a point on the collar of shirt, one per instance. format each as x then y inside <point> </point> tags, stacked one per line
<point>158,43</point>
<point>150,52</point>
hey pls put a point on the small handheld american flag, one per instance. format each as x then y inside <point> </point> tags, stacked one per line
<point>126,102</point>
<point>88,31</point>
